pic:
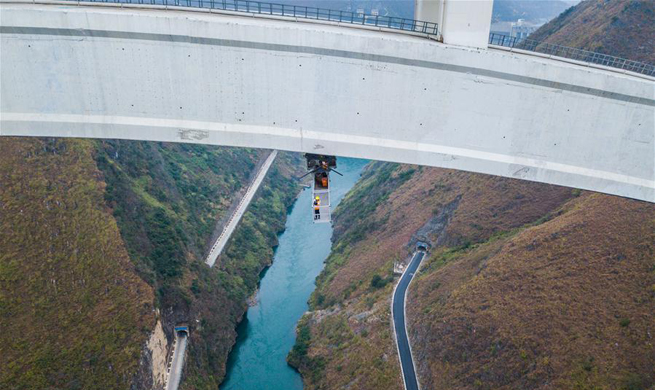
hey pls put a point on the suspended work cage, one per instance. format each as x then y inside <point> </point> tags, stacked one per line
<point>319,167</point>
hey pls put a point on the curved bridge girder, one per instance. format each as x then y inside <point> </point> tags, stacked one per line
<point>199,77</point>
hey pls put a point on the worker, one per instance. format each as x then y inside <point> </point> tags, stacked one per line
<point>317,206</point>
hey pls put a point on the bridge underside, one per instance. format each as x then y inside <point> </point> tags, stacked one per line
<point>198,77</point>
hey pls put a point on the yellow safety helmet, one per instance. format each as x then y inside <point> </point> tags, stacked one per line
<point>317,198</point>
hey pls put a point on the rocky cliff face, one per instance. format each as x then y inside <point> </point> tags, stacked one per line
<point>156,357</point>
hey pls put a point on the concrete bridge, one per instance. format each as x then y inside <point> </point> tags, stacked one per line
<point>225,78</point>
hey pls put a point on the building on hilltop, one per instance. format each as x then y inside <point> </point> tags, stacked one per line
<point>522,29</point>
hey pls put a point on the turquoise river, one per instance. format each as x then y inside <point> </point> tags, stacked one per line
<point>267,333</point>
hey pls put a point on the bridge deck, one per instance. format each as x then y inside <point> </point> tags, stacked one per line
<point>170,75</point>
<point>298,13</point>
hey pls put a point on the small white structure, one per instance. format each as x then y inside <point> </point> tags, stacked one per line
<point>461,22</point>
<point>522,29</point>
<point>398,267</point>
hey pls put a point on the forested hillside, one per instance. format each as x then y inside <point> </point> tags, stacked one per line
<point>167,199</point>
<point>103,246</point>
<point>73,312</point>
<point>527,285</point>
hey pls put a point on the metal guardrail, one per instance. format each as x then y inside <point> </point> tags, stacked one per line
<point>571,53</point>
<point>394,23</point>
<point>295,11</point>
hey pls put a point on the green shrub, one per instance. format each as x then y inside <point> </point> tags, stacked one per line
<point>378,281</point>
<point>634,382</point>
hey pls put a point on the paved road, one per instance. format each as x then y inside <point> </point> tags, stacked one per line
<point>398,311</point>
<point>178,362</point>
<point>218,246</point>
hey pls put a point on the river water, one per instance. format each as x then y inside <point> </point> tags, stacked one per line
<point>267,333</point>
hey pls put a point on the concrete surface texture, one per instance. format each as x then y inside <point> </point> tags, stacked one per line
<point>177,362</point>
<point>200,77</point>
<point>221,241</point>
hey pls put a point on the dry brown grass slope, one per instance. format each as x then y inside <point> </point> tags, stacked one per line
<point>73,312</point>
<point>351,345</point>
<point>622,28</point>
<point>567,304</point>
<point>486,205</point>
<point>528,286</point>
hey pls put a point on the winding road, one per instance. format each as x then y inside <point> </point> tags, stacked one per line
<point>400,328</point>
<point>177,364</point>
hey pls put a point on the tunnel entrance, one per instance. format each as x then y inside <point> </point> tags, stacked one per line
<point>422,246</point>
<point>182,329</point>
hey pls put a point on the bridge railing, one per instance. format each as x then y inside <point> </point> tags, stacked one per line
<point>296,11</point>
<point>571,53</point>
